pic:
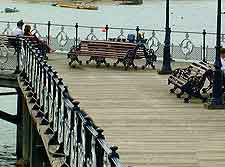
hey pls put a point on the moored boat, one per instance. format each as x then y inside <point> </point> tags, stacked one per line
<point>75,6</point>
<point>11,10</point>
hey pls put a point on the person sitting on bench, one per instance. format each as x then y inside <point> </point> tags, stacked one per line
<point>27,33</point>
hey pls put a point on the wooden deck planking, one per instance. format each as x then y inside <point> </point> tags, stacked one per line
<point>150,126</point>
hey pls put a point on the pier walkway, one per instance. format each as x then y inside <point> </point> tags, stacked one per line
<point>151,127</point>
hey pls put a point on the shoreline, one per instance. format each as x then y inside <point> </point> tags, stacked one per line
<point>97,2</point>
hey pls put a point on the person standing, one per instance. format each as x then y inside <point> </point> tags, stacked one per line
<point>18,31</point>
<point>222,57</point>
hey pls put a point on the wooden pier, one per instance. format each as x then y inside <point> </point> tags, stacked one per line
<point>151,127</point>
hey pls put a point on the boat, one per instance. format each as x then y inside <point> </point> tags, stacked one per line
<point>129,2</point>
<point>75,6</point>
<point>11,10</point>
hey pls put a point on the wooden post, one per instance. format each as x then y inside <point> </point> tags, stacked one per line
<point>19,136</point>
<point>26,134</point>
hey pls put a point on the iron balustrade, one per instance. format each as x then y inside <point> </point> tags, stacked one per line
<point>79,141</point>
<point>11,53</point>
<point>184,45</point>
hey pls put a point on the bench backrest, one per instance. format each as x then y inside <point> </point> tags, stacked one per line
<point>109,47</point>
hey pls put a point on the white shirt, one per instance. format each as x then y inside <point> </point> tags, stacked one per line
<point>17,32</point>
<point>223,64</point>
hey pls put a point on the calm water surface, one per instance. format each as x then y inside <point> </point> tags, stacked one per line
<point>7,131</point>
<point>186,15</point>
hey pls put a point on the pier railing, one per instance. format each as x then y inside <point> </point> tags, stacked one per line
<point>184,45</point>
<point>79,141</point>
<point>11,54</point>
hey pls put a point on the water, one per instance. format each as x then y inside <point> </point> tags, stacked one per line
<point>7,131</point>
<point>186,15</point>
<point>191,15</point>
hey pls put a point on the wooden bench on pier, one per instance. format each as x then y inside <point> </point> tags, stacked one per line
<point>123,52</point>
<point>191,80</point>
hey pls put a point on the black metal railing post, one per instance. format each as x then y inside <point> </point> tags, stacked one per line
<point>217,101</point>
<point>18,50</point>
<point>137,34</point>
<point>99,150</point>
<point>49,31</point>
<point>113,155</point>
<point>76,35</point>
<point>204,46</point>
<point>166,66</point>
<point>106,32</point>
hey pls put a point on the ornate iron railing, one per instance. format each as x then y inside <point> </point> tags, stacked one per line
<point>79,141</point>
<point>11,57</point>
<point>184,45</point>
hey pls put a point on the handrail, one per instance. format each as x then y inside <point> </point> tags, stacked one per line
<point>79,140</point>
<point>115,28</point>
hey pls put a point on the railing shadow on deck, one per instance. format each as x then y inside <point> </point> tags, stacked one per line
<point>79,141</point>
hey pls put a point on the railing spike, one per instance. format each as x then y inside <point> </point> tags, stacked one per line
<point>100,133</point>
<point>75,103</point>
<point>60,81</point>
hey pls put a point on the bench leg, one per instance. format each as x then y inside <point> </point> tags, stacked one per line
<point>117,62</point>
<point>91,58</point>
<point>134,66</point>
<point>152,65</point>
<point>106,64</point>
<point>180,94</point>
<point>187,99</point>
<point>203,98</point>
<point>172,90</point>
<point>100,60</point>
<point>73,59</point>
<point>147,64</point>
<point>129,63</point>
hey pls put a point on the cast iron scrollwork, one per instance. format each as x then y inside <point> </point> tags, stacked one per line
<point>7,30</point>
<point>153,42</point>
<point>121,36</point>
<point>91,35</point>
<point>35,31</point>
<point>62,37</point>
<point>186,46</point>
<point>4,53</point>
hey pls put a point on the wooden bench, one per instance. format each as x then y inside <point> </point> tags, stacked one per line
<point>123,52</point>
<point>191,80</point>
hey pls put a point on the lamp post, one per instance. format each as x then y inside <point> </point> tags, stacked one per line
<point>217,94</point>
<point>166,67</point>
